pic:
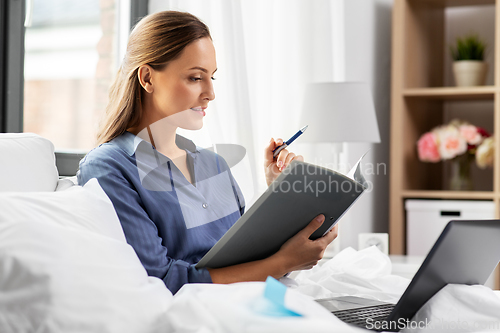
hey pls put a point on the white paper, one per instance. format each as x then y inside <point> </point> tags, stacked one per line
<point>355,172</point>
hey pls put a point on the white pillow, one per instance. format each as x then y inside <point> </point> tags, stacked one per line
<point>65,267</point>
<point>86,208</point>
<point>27,163</point>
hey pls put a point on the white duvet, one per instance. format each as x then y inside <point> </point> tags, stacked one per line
<point>367,273</point>
<point>65,267</point>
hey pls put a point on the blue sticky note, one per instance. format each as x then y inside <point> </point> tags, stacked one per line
<point>275,291</point>
<point>272,303</point>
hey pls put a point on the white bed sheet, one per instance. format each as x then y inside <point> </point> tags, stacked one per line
<point>460,308</point>
<point>229,308</point>
<point>367,273</point>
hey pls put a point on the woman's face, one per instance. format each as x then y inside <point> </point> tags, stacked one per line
<point>181,91</point>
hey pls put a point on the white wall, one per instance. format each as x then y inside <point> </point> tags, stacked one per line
<point>368,58</point>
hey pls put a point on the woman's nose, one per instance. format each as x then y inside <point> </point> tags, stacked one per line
<point>209,92</point>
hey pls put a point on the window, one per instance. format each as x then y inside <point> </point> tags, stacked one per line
<point>73,49</point>
<point>70,60</point>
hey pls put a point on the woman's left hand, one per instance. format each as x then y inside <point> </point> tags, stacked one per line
<point>274,166</point>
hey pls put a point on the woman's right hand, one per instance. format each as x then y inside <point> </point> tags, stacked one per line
<point>300,252</point>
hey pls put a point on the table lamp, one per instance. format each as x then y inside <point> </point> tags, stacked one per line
<point>339,112</point>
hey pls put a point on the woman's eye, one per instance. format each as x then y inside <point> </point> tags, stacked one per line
<point>213,78</point>
<point>195,78</point>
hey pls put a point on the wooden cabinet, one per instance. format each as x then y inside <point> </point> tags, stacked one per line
<point>420,96</point>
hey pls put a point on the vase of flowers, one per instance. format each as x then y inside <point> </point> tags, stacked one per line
<point>460,143</point>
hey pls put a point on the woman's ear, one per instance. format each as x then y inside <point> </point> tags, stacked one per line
<point>144,75</point>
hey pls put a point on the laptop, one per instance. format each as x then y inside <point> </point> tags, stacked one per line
<point>466,252</point>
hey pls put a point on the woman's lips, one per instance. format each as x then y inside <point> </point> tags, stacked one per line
<point>199,110</point>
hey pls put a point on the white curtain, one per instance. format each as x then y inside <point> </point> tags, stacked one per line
<point>267,51</point>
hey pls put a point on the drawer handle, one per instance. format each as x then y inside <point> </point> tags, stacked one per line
<point>450,213</point>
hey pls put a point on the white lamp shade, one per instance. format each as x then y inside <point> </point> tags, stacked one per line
<point>339,112</point>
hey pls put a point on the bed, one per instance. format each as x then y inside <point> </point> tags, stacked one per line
<point>65,266</point>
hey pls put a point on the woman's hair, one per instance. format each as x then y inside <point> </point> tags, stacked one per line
<point>155,40</point>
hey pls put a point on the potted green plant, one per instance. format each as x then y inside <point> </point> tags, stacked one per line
<point>469,67</point>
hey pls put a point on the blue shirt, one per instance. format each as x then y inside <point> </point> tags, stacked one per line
<point>170,223</point>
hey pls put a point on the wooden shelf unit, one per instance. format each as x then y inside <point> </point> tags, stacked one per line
<point>449,195</point>
<point>418,96</point>
<point>458,3</point>
<point>453,93</point>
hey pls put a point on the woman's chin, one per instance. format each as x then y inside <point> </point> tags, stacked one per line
<point>192,126</point>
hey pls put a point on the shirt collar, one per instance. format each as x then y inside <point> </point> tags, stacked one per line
<point>129,142</point>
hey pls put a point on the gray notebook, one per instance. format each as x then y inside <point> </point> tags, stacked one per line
<point>300,193</point>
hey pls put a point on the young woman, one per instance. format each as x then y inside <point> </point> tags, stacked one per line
<point>174,199</point>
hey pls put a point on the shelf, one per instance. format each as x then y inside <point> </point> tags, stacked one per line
<point>469,195</point>
<point>457,3</point>
<point>421,100</point>
<point>453,93</point>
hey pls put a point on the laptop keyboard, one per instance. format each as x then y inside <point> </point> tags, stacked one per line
<point>359,316</point>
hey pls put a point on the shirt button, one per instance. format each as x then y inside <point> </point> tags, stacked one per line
<point>204,205</point>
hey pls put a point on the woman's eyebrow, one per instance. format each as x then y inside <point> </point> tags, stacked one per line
<point>202,69</point>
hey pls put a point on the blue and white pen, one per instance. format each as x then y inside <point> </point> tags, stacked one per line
<point>287,143</point>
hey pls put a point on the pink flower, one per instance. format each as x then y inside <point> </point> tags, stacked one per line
<point>428,148</point>
<point>451,143</point>
<point>456,138</point>
<point>471,134</point>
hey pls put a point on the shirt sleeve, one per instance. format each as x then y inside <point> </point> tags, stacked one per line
<point>140,231</point>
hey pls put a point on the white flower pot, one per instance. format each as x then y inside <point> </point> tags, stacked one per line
<point>470,73</point>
